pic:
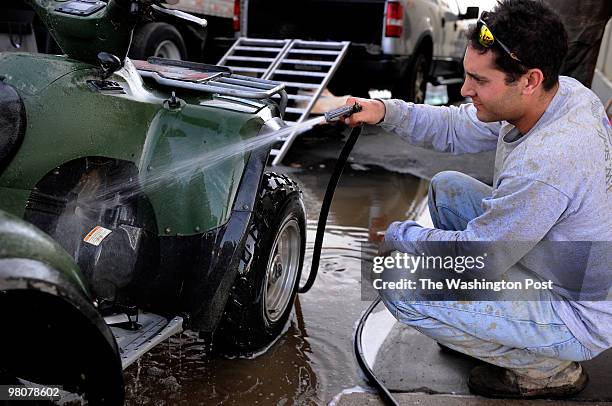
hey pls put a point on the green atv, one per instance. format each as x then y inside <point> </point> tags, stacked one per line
<point>148,181</point>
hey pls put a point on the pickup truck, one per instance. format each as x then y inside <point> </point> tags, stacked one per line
<point>398,45</point>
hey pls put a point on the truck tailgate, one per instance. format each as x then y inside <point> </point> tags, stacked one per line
<point>359,21</point>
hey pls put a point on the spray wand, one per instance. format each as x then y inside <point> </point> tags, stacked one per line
<point>344,111</point>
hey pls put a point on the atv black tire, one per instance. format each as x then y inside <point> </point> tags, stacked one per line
<point>256,313</point>
<point>148,39</point>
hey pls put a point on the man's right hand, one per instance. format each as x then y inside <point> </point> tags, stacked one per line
<point>372,112</point>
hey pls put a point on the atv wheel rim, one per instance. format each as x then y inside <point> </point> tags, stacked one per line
<point>282,270</point>
<point>168,49</point>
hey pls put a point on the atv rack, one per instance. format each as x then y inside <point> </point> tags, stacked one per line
<point>211,79</point>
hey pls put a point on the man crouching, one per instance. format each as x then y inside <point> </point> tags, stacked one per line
<point>552,184</point>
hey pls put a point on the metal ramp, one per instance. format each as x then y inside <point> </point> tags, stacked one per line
<point>305,67</point>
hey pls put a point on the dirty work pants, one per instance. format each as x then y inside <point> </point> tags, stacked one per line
<point>527,337</point>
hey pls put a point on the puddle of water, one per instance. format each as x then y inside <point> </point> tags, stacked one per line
<point>313,360</point>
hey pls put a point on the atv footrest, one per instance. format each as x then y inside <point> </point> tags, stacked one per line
<point>153,329</point>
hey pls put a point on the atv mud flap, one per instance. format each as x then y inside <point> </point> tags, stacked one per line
<point>53,335</point>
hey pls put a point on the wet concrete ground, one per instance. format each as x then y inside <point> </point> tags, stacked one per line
<point>423,367</point>
<point>421,399</point>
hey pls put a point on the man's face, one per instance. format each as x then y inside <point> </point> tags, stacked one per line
<point>486,85</point>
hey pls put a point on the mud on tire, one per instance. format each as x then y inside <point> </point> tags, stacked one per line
<point>262,296</point>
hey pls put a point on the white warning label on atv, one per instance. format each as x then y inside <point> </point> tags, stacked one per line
<point>97,235</point>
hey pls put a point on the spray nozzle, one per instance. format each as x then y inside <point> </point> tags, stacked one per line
<point>344,111</point>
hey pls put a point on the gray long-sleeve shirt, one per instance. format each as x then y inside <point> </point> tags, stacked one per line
<point>552,184</point>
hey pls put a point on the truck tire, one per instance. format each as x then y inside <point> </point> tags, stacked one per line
<point>414,85</point>
<point>157,39</point>
<point>454,93</point>
<point>346,84</point>
<point>262,296</point>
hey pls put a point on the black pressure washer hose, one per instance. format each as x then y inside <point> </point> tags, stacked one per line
<point>331,189</point>
<point>382,390</point>
<point>316,254</point>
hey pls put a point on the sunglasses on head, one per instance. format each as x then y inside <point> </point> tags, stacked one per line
<point>487,39</point>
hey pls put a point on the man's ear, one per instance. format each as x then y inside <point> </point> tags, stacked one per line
<point>534,79</point>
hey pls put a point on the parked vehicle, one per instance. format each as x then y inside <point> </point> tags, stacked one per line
<point>21,31</point>
<point>397,45</point>
<point>164,37</point>
<point>147,203</point>
<point>173,40</point>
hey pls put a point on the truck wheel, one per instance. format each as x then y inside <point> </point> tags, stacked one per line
<point>454,93</point>
<point>157,39</point>
<point>262,296</point>
<point>414,85</point>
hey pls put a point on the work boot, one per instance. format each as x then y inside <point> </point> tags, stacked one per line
<point>495,382</point>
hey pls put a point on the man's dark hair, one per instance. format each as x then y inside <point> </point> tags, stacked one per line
<point>533,32</point>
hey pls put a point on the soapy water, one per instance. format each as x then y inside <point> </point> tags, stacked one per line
<point>177,172</point>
